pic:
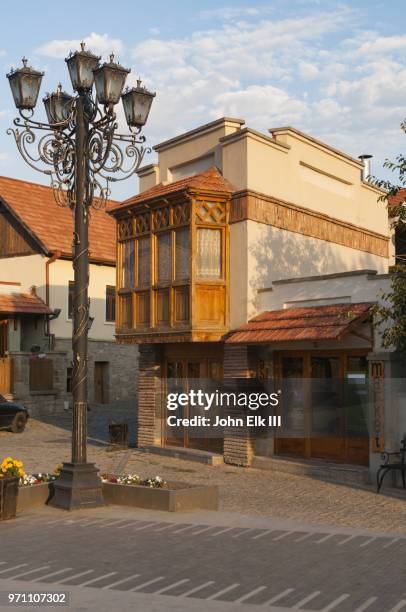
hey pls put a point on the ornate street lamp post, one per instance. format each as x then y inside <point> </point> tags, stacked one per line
<point>81,151</point>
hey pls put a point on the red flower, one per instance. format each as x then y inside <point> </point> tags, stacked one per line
<point>112,479</point>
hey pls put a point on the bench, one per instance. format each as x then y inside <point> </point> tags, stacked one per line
<point>393,462</point>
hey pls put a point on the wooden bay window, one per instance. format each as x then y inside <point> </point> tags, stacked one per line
<point>174,269</point>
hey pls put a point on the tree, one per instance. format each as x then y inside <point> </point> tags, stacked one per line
<point>392,314</point>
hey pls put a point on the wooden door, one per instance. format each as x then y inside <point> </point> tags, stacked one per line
<point>184,367</point>
<point>101,382</point>
<point>321,413</point>
<point>6,375</point>
<point>326,408</point>
<point>292,440</point>
<point>3,337</point>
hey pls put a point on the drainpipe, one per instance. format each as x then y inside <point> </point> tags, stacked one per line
<point>55,255</point>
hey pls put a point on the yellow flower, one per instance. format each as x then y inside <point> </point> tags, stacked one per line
<point>21,473</point>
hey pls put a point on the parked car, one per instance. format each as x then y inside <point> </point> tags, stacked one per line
<point>12,416</point>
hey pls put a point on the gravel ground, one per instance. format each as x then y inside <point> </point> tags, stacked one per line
<point>246,491</point>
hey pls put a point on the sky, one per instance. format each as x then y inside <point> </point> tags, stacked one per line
<point>335,70</point>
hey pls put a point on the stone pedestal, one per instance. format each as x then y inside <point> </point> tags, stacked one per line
<point>78,487</point>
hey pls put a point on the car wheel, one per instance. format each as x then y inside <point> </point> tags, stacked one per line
<point>19,422</point>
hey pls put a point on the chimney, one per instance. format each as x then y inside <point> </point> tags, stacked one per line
<point>366,170</point>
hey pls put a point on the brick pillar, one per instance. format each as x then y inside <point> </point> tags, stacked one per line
<point>238,448</point>
<point>148,393</point>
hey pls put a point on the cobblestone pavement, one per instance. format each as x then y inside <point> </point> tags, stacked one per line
<point>156,561</point>
<point>246,491</point>
<point>46,441</point>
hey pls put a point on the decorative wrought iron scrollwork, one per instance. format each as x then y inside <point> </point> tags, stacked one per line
<point>110,156</point>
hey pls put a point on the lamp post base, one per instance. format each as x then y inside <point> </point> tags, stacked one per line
<point>77,487</point>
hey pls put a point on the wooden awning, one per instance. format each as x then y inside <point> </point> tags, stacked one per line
<point>311,323</point>
<point>20,303</point>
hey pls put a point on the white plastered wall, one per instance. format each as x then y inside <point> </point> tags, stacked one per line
<point>260,254</point>
<point>28,270</point>
<point>60,273</point>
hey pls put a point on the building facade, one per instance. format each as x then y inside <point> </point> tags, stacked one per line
<point>250,255</point>
<point>36,302</point>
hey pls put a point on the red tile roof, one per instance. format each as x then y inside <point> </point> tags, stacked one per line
<point>22,303</point>
<point>310,323</point>
<point>397,199</point>
<point>210,180</point>
<point>51,224</point>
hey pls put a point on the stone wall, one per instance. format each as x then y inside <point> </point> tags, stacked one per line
<point>121,376</point>
<point>122,367</point>
<point>39,402</point>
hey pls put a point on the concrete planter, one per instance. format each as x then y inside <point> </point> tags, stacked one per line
<point>179,497</point>
<point>34,495</point>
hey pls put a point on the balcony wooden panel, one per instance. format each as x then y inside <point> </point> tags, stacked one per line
<point>209,305</point>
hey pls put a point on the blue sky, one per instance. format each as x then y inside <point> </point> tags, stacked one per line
<point>333,69</point>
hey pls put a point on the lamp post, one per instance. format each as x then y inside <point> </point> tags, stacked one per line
<point>82,153</point>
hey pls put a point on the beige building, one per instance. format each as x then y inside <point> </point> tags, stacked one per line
<point>36,291</point>
<point>250,255</point>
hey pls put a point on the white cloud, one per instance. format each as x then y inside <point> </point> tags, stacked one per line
<point>383,44</point>
<point>232,12</point>
<point>244,69</point>
<point>97,43</point>
<point>262,105</point>
<point>308,71</point>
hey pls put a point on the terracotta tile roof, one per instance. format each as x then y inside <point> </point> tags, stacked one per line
<point>310,323</point>
<point>51,224</point>
<point>397,199</point>
<point>210,180</point>
<point>22,302</point>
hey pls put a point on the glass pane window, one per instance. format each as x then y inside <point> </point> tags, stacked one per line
<point>182,257</point>
<point>162,307</point>
<point>126,311</point>
<point>110,303</point>
<point>182,304</point>
<point>163,258</point>
<point>209,253</point>
<point>144,261</point>
<point>143,312</point>
<point>128,264</point>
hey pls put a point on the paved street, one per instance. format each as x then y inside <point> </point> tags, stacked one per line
<point>246,491</point>
<point>155,561</point>
<point>46,441</point>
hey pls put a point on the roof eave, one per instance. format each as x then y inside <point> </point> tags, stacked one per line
<point>26,228</point>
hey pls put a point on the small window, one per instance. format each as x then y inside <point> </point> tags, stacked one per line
<point>128,264</point>
<point>162,307</point>
<point>209,254</point>
<point>70,299</point>
<point>143,309</point>
<point>182,259</point>
<point>69,378</point>
<point>144,261</point>
<point>110,303</point>
<point>126,312</point>
<point>163,258</point>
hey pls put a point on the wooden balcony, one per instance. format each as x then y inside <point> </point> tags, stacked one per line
<point>173,269</point>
